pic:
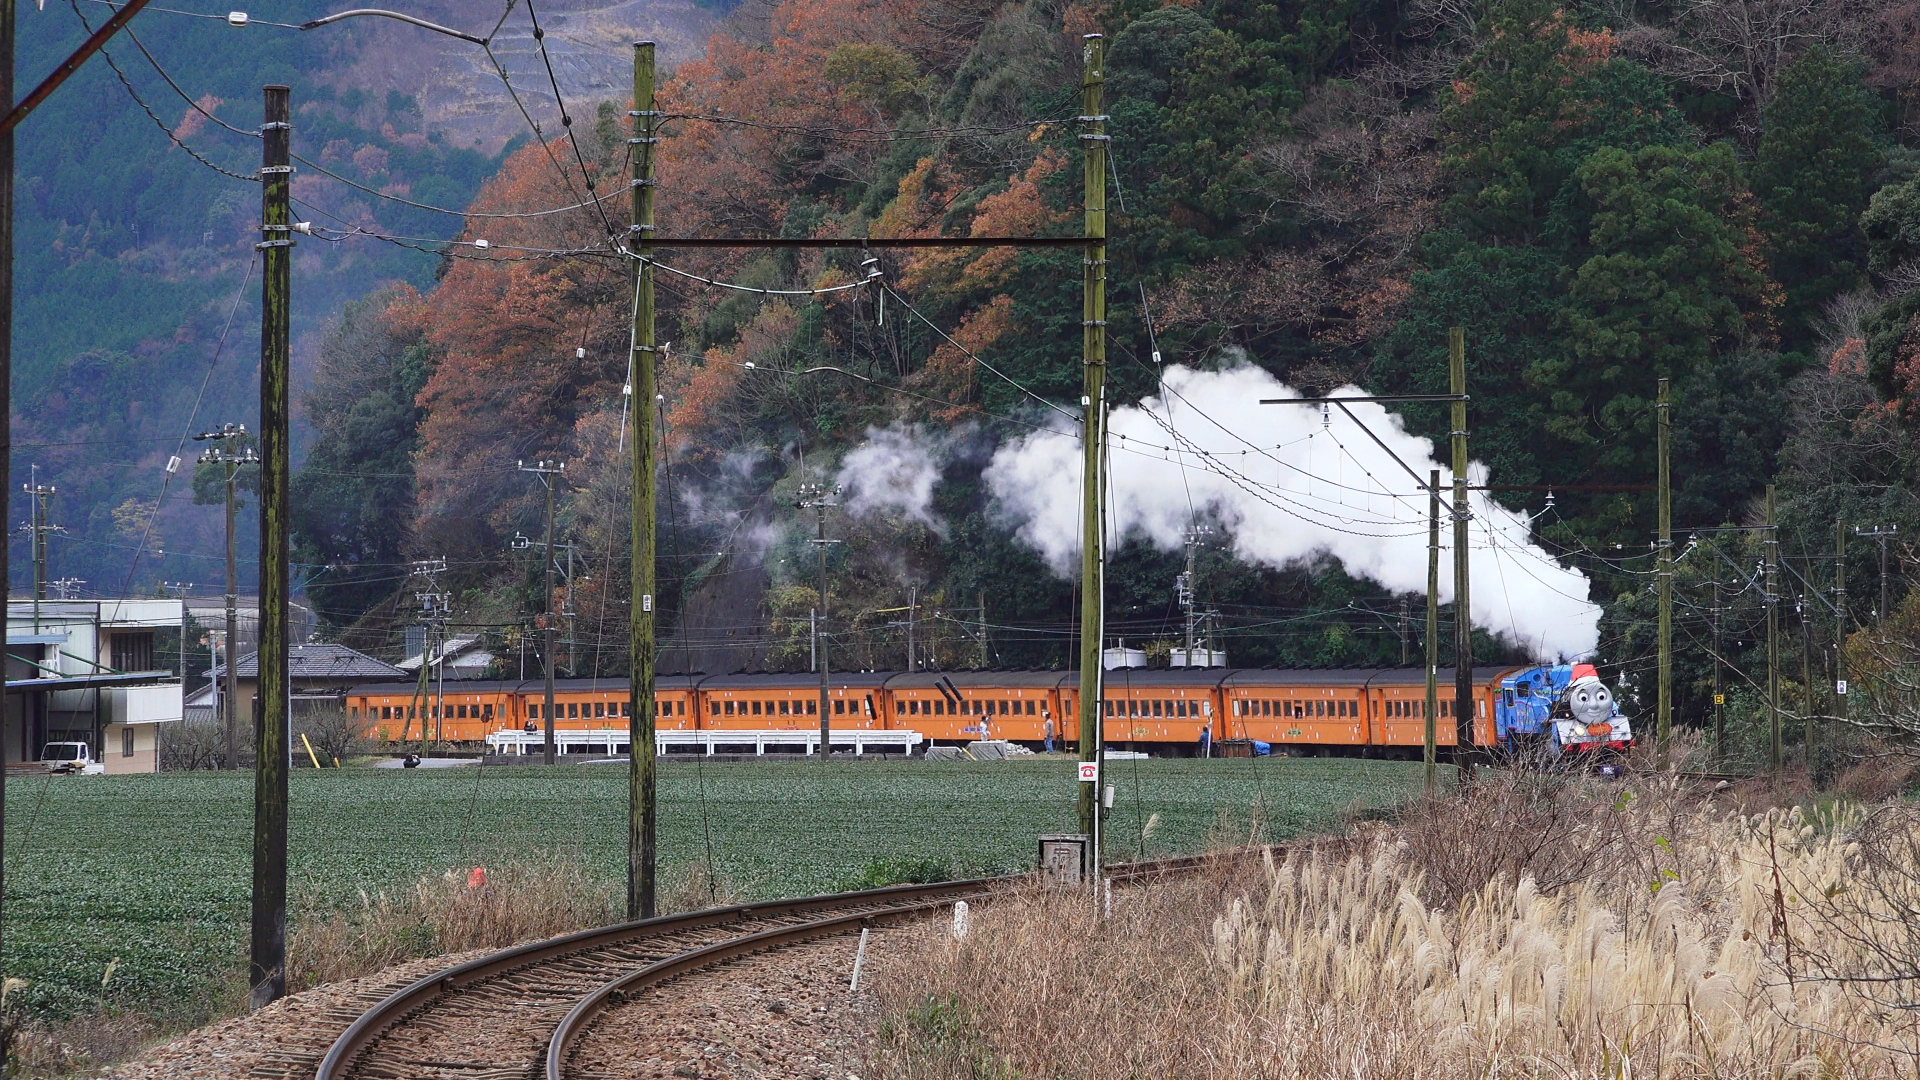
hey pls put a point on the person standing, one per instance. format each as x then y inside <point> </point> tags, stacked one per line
<point>1047,730</point>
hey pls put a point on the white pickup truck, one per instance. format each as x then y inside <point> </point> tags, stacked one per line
<point>70,757</point>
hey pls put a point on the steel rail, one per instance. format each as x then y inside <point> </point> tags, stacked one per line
<point>584,1011</point>
<point>578,1019</point>
<point>397,1007</point>
<point>423,992</point>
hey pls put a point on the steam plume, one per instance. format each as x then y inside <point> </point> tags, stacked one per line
<point>1290,483</point>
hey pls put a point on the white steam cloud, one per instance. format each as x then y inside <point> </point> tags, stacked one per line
<point>1291,484</point>
<point>892,474</point>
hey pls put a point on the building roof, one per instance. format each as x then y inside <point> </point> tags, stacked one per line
<point>316,661</point>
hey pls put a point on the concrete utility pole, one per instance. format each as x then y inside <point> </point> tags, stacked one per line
<point>1093,409</point>
<point>231,462</point>
<point>37,528</point>
<point>1719,689</point>
<point>1811,694</point>
<point>1840,620</point>
<point>546,471</point>
<point>436,608</point>
<point>1880,534</point>
<point>1462,591</point>
<point>1775,751</point>
<point>1431,753</point>
<point>818,498</point>
<point>913,614</point>
<point>268,967</point>
<point>1663,715</point>
<point>642,812</point>
<point>1187,592</point>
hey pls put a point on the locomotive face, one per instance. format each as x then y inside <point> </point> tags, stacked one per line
<point>1591,703</point>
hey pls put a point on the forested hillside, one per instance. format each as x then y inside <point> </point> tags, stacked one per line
<point>1722,193</point>
<point>138,211</point>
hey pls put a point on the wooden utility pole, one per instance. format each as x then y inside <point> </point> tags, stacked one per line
<point>1775,751</point>
<point>1093,372</point>
<point>547,471</point>
<point>268,967</point>
<point>1432,751</point>
<point>642,812</point>
<point>1663,715</point>
<point>1462,590</point>
<point>6,394</point>
<point>1840,620</point>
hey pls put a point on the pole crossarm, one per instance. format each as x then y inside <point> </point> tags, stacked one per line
<point>1379,398</point>
<point>865,242</point>
<point>94,43</point>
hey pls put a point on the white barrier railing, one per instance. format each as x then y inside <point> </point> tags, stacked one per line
<point>612,741</point>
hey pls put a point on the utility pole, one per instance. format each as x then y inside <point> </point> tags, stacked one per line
<point>1406,621</point>
<point>1881,534</point>
<point>268,967</point>
<point>1663,723</point>
<point>15,114</point>
<point>819,498</point>
<point>913,611</point>
<point>1806,677</point>
<point>38,527</point>
<point>985,653</point>
<point>1462,592</point>
<point>1840,620</point>
<point>436,608</point>
<point>642,811</point>
<point>1187,591</point>
<point>231,463</point>
<point>547,471</point>
<point>1432,751</point>
<point>1774,748</point>
<point>1093,409</point>
<point>1719,690</point>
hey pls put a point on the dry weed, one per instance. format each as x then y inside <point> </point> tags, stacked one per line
<point>1534,927</point>
<point>452,912</point>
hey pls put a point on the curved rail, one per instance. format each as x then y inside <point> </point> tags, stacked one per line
<point>578,1019</point>
<point>423,992</point>
<point>575,1023</point>
<point>844,911</point>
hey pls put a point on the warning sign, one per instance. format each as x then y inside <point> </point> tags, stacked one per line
<point>1089,772</point>
<point>1719,699</point>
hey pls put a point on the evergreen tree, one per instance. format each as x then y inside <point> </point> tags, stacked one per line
<point>1819,149</point>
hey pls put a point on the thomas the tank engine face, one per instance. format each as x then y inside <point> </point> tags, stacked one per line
<point>1590,703</point>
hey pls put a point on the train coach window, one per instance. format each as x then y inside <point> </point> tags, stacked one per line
<point>1030,709</point>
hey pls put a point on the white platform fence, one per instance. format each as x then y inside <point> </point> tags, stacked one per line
<point>611,741</point>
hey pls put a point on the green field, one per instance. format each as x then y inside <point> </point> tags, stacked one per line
<point>153,871</point>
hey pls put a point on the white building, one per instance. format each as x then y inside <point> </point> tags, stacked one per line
<point>89,671</point>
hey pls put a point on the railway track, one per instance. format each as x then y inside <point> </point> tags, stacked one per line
<point>521,1014</point>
